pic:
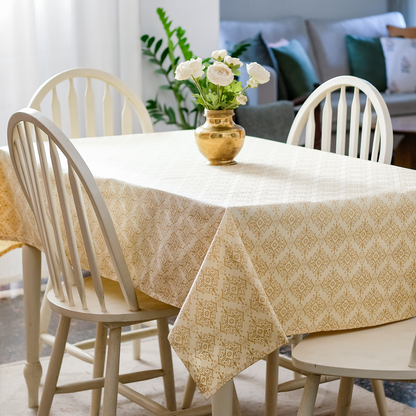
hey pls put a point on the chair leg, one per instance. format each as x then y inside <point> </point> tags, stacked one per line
<point>380,397</point>
<point>344,396</point>
<point>296,340</point>
<point>166,361</point>
<point>99,361</point>
<point>310,392</point>
<point>112,373</point>
<point>31,258</point>
<point>236,403</point>
<point>189,393</point>
<point>272,383</point>
<point>222,400</point>
<point>54,366</point>
<point>45,313</point>
<point>136,343</point>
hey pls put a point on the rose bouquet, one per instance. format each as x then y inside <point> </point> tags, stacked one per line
<point>218,89</point>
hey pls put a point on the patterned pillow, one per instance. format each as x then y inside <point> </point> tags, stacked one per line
<point>400,57</point>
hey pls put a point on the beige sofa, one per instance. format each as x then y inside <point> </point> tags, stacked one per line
<point>324,42</point>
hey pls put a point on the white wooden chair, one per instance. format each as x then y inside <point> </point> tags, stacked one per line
<point>385,352</point>
<point>350,121</point>
<point>61,92</point>
<point>357,132</point>
<point>103,82</point>
<point>78,297</point>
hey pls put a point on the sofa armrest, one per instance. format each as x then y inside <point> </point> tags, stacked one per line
<point>264,93</point>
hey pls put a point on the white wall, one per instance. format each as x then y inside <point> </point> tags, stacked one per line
<point>249,10</point>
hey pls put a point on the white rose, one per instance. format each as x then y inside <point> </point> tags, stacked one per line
<point>233,61</point>
<point>188,69</point>
<point>241,99</point>
<point>219,55</point>
<point>220,74</point>
<point>183,71</point>
<point>260,74</point>
<point>252,83</point>
<point>197,67</point>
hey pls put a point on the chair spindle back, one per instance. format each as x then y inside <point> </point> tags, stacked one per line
<point>360,124</point>
<point>51,190</point>
<point>129,97</point>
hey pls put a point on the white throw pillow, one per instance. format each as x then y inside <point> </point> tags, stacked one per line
<point>400,55</point>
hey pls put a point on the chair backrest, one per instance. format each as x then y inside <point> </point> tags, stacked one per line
<point>53,190</point>
<point>130,98</point>
<point>374,117</point>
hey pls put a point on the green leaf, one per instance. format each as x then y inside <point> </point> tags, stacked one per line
<point>151,104</point>
<point>235,87</point>
<point>154,61</point>
<point>165,87</point>
<point>158,45</point>
<point>171,114</point>
<point>188,55</point>
<point>179,32</point>
<point>147,52</point>
<point>213,98</point>
<point>164,55</point>
<point>144,38</point>
<point>150,42</point>
<point>239,49</point>
<point>161,71</point>
<point>199,100</point>
<point>164,19</point>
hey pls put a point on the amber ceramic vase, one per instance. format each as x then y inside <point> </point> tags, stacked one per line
<point>220,139</point>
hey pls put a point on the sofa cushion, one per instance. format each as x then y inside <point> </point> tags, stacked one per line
<point>366,60</point>
<point>400,104</point>
<point>400,32</point>
<point>328,38</point>
<point>400,57</point>
<point>258,52</point>
<point>296,69</point>
<point>232,32</point>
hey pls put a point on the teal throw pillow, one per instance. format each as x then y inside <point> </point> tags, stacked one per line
<point>366,60</point>
<point>296,69</point>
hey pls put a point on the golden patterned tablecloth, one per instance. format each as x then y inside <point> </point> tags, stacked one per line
<point>288,241</point>
<point>6,246</point>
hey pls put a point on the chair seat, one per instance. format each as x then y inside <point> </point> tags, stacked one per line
<point>117,310</point>
<point>380,352</point>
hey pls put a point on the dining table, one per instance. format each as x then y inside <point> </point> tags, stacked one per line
<point>286,241</point>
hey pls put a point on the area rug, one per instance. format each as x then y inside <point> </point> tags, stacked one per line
<point>249,385</point>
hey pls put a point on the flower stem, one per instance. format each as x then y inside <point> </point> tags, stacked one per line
<point>200,92</point>
<point>243,90</point>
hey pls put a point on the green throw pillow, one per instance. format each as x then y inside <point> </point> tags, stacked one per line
<point>296,69</point>
<point>366,60</point>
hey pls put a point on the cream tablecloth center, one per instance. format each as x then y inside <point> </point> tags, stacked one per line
<point>288,241</point>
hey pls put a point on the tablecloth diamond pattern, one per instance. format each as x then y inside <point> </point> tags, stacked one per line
<point>288,241</point>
